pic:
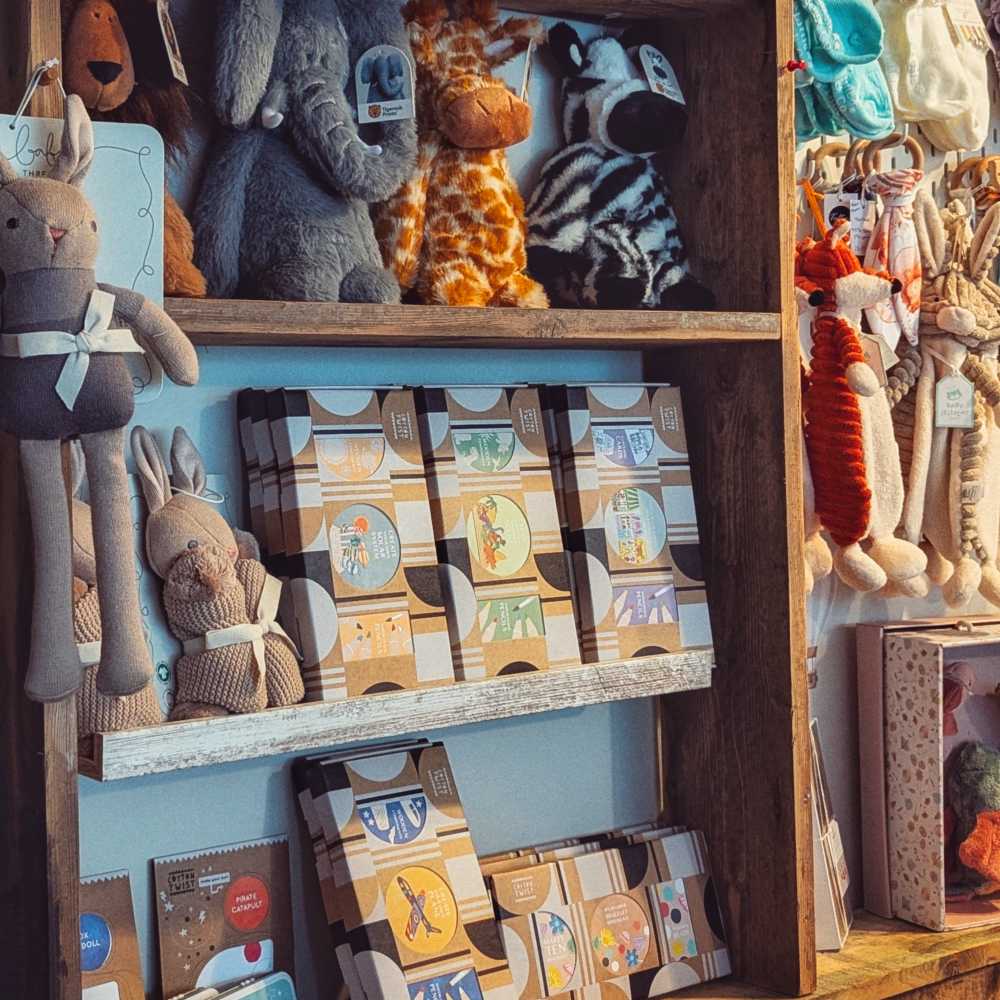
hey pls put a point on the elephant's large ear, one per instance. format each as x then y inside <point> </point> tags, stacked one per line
<point>246,37</point>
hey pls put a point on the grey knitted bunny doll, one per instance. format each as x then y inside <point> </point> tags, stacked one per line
<point>283,210</point>
<point>62,375</point>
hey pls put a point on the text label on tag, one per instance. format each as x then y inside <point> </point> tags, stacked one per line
<point>954,402</point>
<point>660,74</point>
<point>384,82</point>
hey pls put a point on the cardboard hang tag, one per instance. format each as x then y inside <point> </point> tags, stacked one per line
<point>856,208</point>
<point>173,48</point>
<point>966,24</point>
<point>660,74</point>
<point>954,402</point>
<point>384,83</point>
<point>879,355</point>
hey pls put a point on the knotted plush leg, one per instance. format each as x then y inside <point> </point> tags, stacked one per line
<point>900,559</point>
<point>939,569</point>
<point>54,668</point>
<point>125,661</point>
<point>989,586</point>
<point>963,583</point>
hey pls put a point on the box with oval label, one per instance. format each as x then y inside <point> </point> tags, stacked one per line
<point>357,543</point>
<point>495,518</point>
<point>223,915</point>
<point>405,899</point>
<point>632,527</point>
<point>109,950</point>
<point>639,920</point>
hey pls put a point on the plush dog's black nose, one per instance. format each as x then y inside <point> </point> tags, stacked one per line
<point>105,72</point>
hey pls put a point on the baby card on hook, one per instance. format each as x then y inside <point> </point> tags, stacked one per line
<point>125,186</point>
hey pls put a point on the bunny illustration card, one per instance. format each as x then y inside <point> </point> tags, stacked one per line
<point>224,915</point>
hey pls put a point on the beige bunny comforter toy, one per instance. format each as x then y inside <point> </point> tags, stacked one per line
<point>953,492</point>
<point>219,600</point>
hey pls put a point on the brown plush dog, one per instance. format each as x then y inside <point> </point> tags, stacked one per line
<point>114,58</point>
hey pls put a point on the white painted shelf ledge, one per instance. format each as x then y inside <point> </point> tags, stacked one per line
<point>174,746</point>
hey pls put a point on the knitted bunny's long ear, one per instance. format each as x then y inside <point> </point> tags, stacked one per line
<point>931,237</point>
<point>985,244</point>
<point>187,463</point>
<point>151,468</point>
<point>77,150</point>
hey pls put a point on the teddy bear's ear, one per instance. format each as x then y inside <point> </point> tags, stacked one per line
<point>77,149</point>
<point>565,44</point>
<point>187,463</point>
<point>151,468</point>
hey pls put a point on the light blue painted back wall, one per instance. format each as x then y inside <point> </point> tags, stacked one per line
<point>522,781</point>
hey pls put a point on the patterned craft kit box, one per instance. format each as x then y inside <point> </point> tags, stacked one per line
<point>407,891</point>
<point>637,921</point>
<point>494,511</point>
<point>632,525</point>
<point>358,546</point>
<point>224,915</point>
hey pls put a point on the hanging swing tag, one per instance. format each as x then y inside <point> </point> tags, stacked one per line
<point>384,82</point>
<point>875,354</point>
<point>173,47</point>
<point>660,74</point>
<point>954,402</point>
<point>862,223</point>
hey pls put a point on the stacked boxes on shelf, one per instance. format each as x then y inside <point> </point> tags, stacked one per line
<point>493,505</point>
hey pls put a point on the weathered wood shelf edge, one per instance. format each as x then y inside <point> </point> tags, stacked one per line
<point>616,10</point>
<point>251,323</point>
<point>174,746</point>
<point>882,958</point>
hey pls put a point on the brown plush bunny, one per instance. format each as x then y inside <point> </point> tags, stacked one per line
<point>220,601</point>
<point>96,712</point>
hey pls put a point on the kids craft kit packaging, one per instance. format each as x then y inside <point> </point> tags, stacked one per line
<point>352,535</point>
<point>631,519</point>
<point>406,902</point>
<point>493,507</point>
<point>636,920</point>
<point>224,915</point>
<point>927,695</point>
<point>110,968</point>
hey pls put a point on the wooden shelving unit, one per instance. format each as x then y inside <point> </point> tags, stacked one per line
<point>227,323</point>
<point>736,755</point>
<point>203,742</point>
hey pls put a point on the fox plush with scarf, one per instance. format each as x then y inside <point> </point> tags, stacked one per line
<point>849,434</point>
<point>62,375</point>
<point>602,232</point>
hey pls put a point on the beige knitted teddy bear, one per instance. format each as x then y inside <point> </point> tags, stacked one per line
<point>219,600</point>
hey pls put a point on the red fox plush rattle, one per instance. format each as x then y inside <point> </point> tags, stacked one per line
<point>849,434</point>
<point>62,375</point>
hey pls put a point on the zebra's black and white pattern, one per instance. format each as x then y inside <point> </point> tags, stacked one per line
<point>602,232</point>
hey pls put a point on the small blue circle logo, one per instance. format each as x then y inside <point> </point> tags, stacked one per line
<point>95,941</point>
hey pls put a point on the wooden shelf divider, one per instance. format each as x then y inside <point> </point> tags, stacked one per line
<point>173,746</point>
<point>248,322</point>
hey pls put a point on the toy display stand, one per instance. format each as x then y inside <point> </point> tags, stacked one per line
<point>737,759</point>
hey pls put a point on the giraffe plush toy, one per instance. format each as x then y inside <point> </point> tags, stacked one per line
<point>849,433</point>
<point>456,231</point>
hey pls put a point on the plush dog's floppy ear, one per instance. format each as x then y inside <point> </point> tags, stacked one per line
<point>567,47</point>
<point>77,149</point>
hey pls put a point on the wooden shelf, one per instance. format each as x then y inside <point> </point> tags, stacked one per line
<point>614,10</point>
<point>883,958</point>
<point>173,746</point>
<point>245,322</point>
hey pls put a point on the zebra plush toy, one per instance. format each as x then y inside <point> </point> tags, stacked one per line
<point>601,229</point>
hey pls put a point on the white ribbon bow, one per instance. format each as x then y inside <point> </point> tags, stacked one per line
<point>252,632</point>
<point>96,337</point>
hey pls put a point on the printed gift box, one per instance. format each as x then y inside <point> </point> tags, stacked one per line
<point>930,730</point>
<point>407,895</point>
<point>632,526</point>
<point>493,506</point>
<point>109,949</point>
<point>638,920</point>
<point>358,543</point>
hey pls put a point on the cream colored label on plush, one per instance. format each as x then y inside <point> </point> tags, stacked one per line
<point>384,83</point>
<point>170,41</point>
<point>966,24</point>
<point>872,346</point>
<point>954,402</point>
<point>660,74</point>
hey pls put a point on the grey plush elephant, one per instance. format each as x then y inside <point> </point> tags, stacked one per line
<point>283,210</point>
